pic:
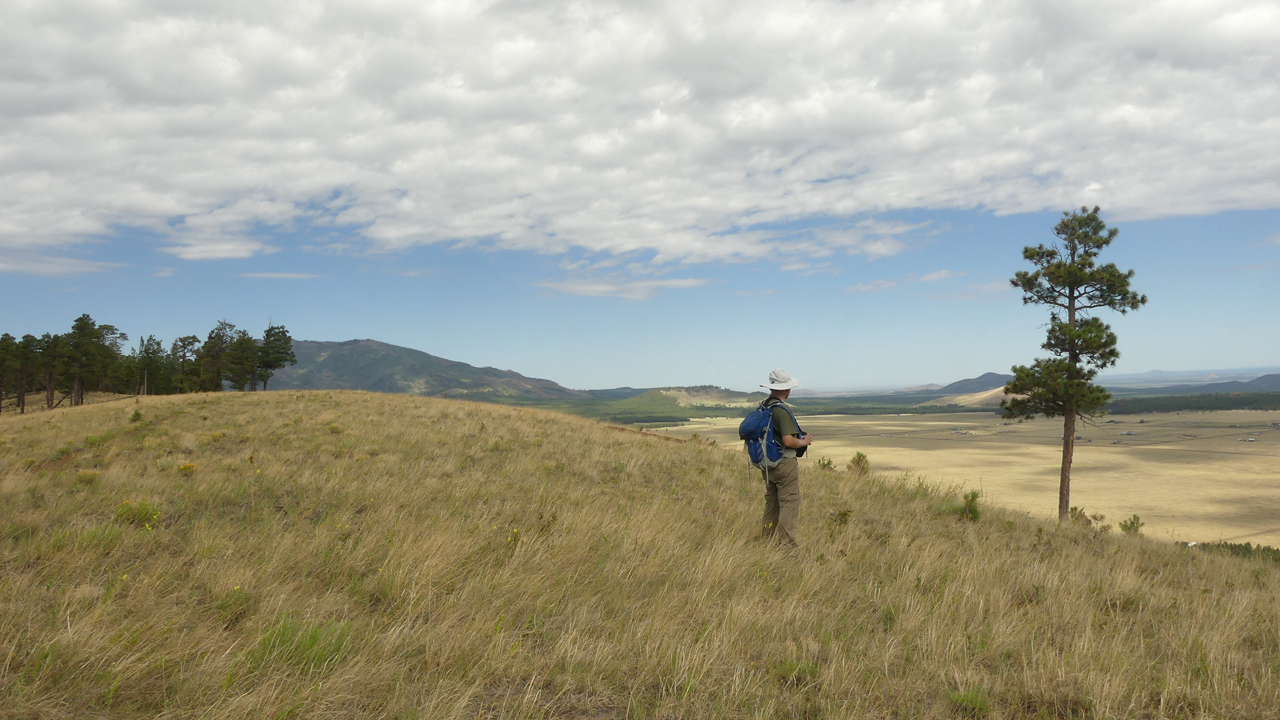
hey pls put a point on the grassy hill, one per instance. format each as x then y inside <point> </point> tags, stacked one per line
<point>348,554</point>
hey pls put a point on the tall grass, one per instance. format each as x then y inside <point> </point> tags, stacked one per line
<point>440,559</point>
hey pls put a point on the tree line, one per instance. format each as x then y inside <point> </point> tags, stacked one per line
<point>90,357</point>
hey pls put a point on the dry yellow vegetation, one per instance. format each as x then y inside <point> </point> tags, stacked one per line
<point>1192,476</point>
<point>345,554</point>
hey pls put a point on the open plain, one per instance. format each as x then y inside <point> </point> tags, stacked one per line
<point>1194,476</point>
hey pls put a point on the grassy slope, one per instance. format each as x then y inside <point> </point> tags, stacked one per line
<point>397,556</point>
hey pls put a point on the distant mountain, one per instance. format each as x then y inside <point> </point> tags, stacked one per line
<point>982,383</point>
<point>381,367</point>
<point>1266,383</point>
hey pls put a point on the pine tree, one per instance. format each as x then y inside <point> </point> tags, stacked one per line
<point>277,352</point>
<point>211,356</point>
<point>27,363</point>
<point>92,355</point>
<point>184,368</point>
<point>1068,279</point>
<point>241,361</point>
<point>50,361</point>
<point>151,367</point>
<point>8,366</point>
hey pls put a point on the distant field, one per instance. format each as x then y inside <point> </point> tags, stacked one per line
<point>1190,476</point>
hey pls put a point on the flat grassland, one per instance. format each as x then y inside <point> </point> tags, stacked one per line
<point>1191,476</point>
<point>355,555</point>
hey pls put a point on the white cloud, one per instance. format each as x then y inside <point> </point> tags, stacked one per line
<point>940,275</point>
<point>163,272</point>
<point>1273,240</point>
<point>226,248</point>
<point>629,290</point>
<point>280,276</point>
<point>986,292</point>
<point>662,128</point>
<point>873,286</point>
<point>38,264</point>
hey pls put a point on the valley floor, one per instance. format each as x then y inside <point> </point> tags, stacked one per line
<point>1193,476</point>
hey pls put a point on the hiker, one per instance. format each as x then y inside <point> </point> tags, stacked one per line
<point>782,482</point>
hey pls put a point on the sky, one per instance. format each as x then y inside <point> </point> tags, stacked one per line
<point>643,193</point>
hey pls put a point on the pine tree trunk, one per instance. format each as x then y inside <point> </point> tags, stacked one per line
<point>1068,449</point>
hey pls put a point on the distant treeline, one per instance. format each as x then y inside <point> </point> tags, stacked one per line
<point>1182,403</point>
<point>90,357</point>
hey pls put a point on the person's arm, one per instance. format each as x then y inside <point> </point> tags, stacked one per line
<point>794,442</point>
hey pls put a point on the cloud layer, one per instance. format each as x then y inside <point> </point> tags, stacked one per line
<point>693,131</point>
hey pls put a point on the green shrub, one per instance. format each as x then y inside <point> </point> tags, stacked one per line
<point>136,416</point>
<point>969,510</point>
<point>144,514</point>
<point>1132,526</point>
<point>971,702</point>
<point>859,465</point>
<point>825,463</point>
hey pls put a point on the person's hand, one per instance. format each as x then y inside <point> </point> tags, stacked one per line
<point>808,439</point>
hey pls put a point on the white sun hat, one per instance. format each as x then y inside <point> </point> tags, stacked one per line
<point>780,379</point>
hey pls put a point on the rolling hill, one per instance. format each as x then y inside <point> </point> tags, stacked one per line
<point>336,554</point>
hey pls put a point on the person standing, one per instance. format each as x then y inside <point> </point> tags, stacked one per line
<point>782,483</point>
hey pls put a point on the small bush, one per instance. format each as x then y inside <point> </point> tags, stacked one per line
<point>144,514</point>
<point>187,469</point>
<point>1080,517</point>
<point>1132,526</point>
<point>87,478</point>
<point>971,702</point>
<point>840,518</point>
<point>335,429</point>
<point>859,465</point>
<point>970,510</point>
<point>825,463</point>
<point>136,416</point>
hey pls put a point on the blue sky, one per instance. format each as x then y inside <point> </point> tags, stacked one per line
<point>643,194</point>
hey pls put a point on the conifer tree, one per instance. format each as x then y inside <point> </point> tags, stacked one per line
<point>212,356</point>
<point>27,361</point>
<point>1068,279</point>
<point>276,353</point>
<point>151,367</point>
<point>8,366</point>
<point>50,360</point>
<point>183,355</point>
<point>241,361</point>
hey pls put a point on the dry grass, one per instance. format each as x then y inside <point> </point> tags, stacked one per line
<point>1189,475</point>
<point>342,554</point>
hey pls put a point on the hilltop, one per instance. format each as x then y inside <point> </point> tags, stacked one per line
<point>348,554</point>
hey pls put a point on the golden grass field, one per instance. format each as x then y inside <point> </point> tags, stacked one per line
<point>1188,475</point>
<point>355,555</point>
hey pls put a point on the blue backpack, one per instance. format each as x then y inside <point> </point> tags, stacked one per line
<point>764,450</point>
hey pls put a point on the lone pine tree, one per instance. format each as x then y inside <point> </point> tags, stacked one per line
<point>1069,280</point>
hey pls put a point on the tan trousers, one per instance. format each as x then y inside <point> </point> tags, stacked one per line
<point>782,501</point>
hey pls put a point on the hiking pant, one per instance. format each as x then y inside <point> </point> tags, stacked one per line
<point>782,501</point>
